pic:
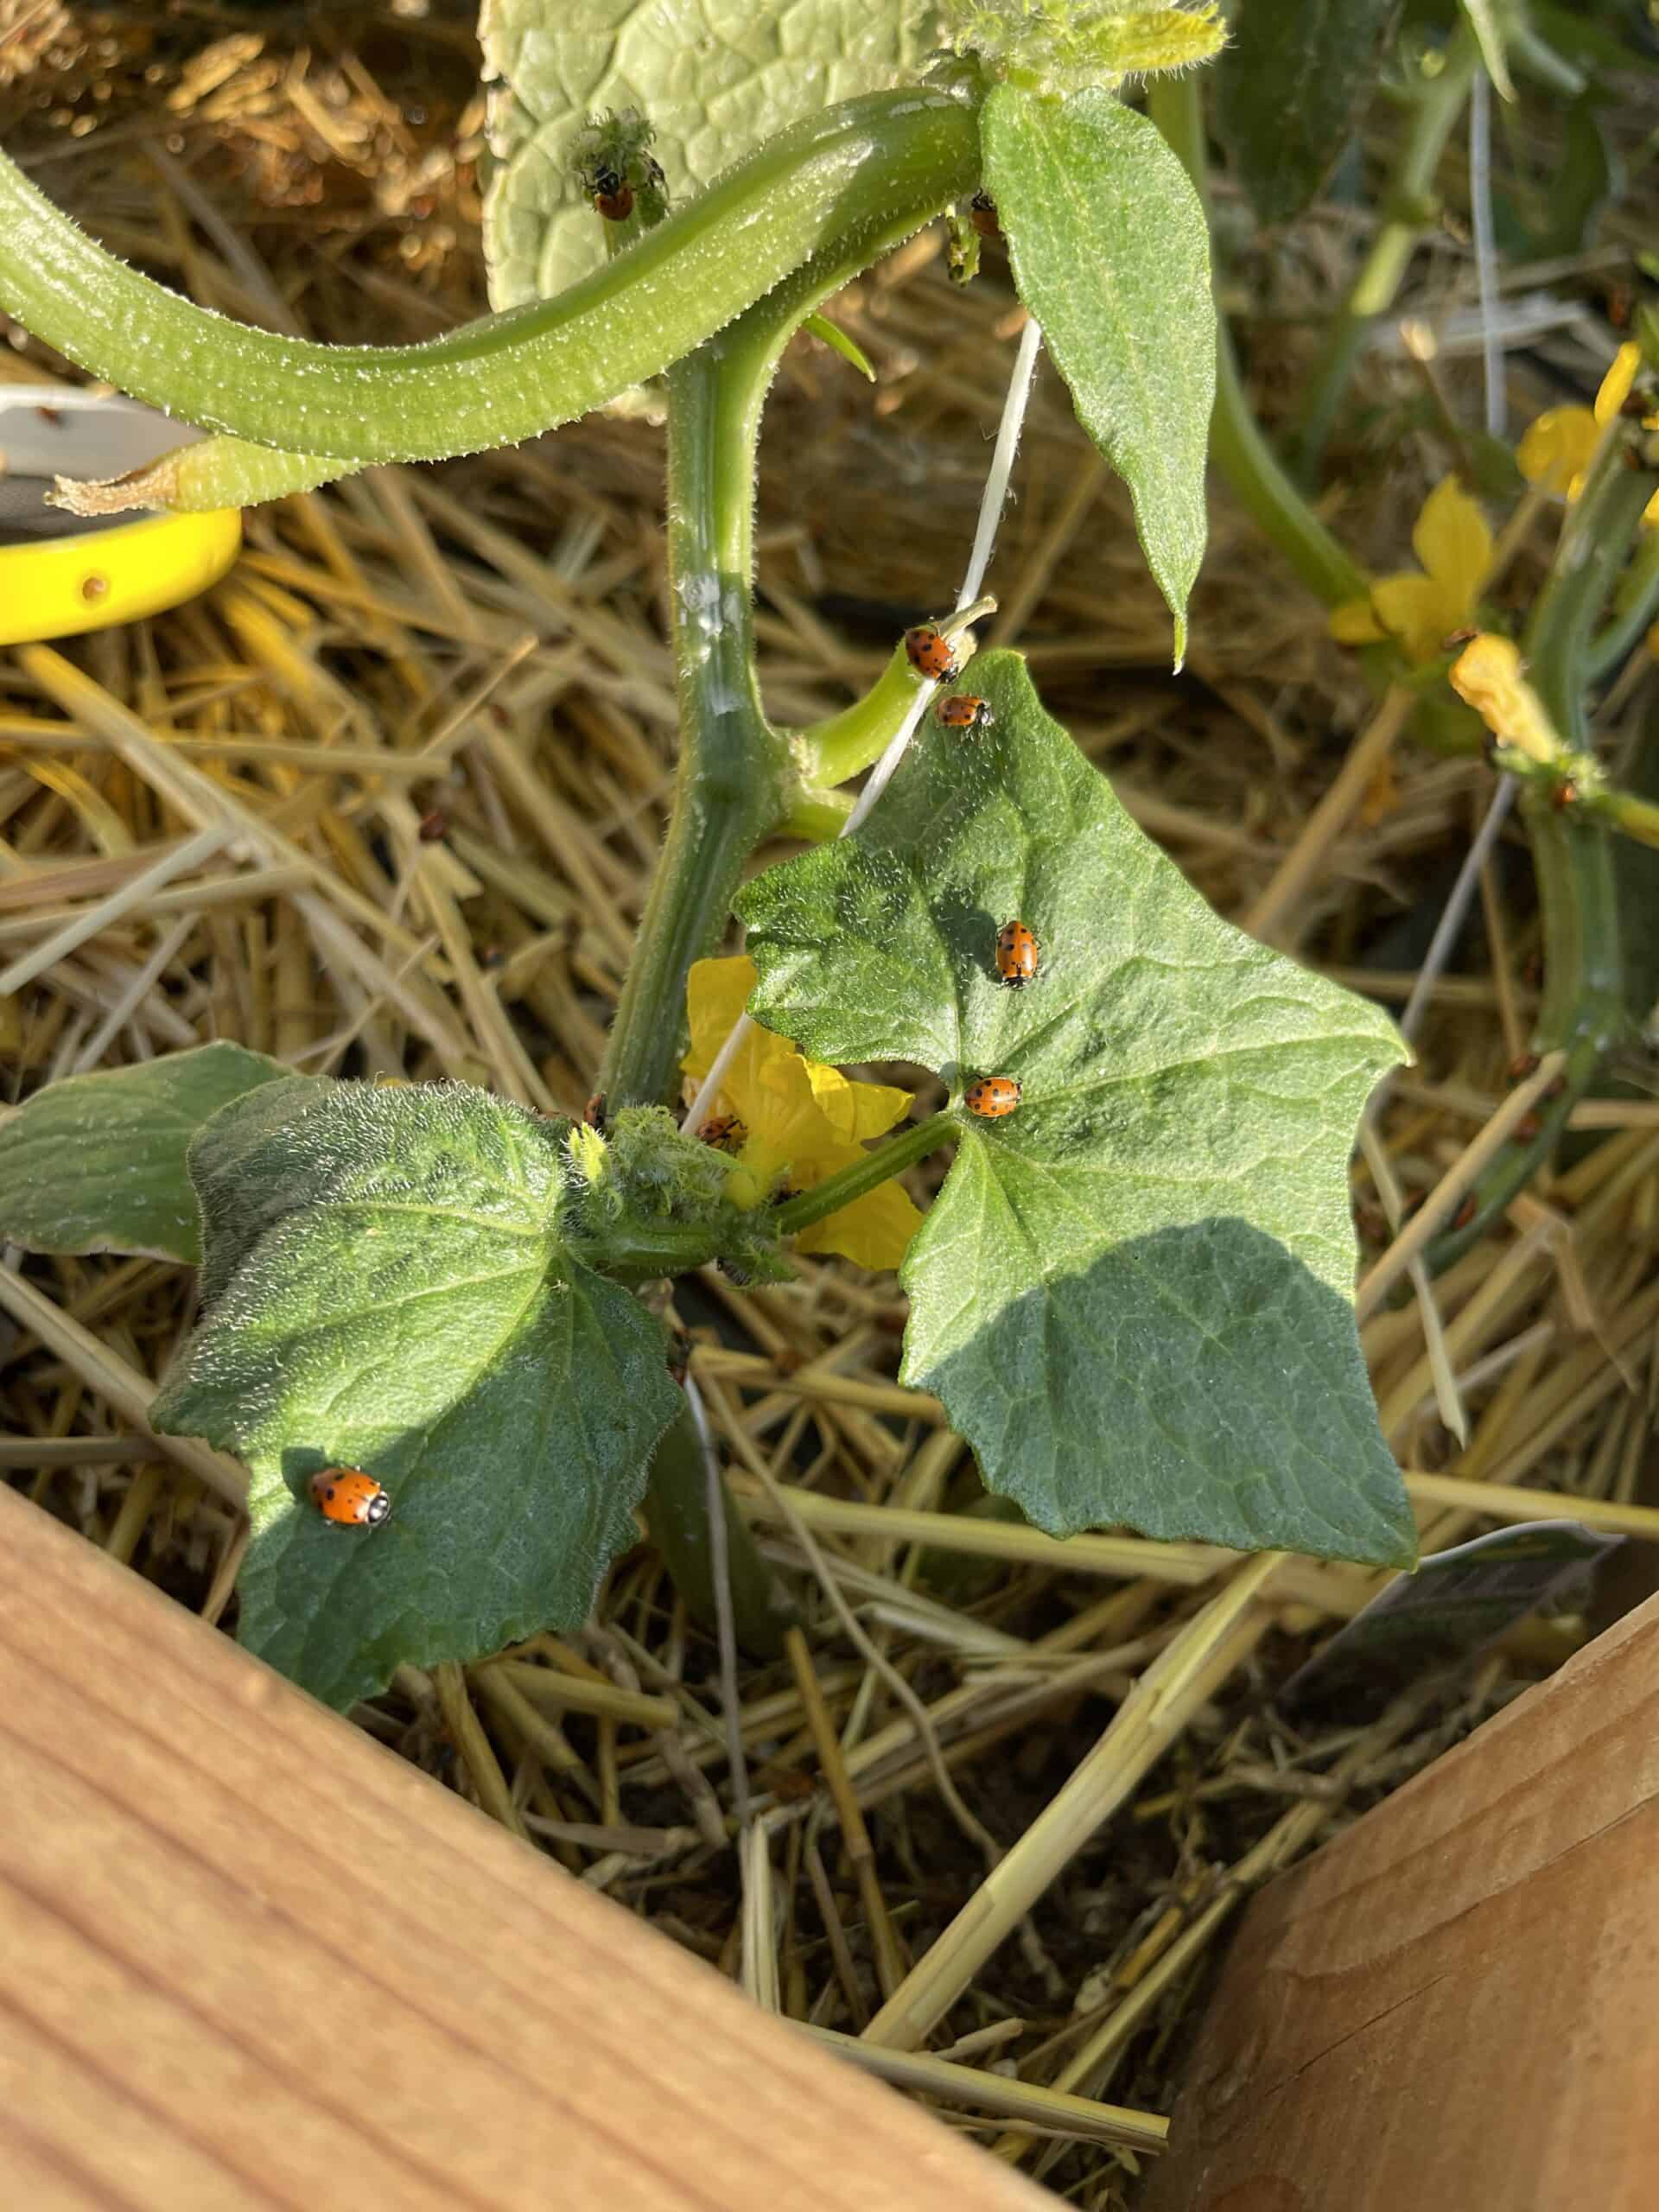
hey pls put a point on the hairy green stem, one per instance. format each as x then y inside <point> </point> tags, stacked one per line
<point>862,1176</point>
<point>1253,471</point>
<point>1436,108</point>
<point>844,184</point>
<point>676,1512</point>
<point>737,780</point>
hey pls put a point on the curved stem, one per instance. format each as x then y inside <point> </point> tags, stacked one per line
<point>866,1175</point>
<point>1436,108</point>
<point>843,183</point>
<point>1257,480</point>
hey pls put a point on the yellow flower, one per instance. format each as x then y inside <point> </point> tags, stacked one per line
<point>801,1121</point>
<point>1558,448</point>
<point>1455,546</point>
<point>1489,674</point>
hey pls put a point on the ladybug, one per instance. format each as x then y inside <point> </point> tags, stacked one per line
<point>1016,956</point>
<point>1465,1213</point>
<point>982,212</point>
<point>930,653</point>
<point>594,1113</point>
<point>347,1495</point>
<point>434,827</point>
<point>1564,794</point>
<point>725,1132</point>
<point>992,1097</point>
<point>613,193</point>
<point>1522,1066</point>
<point>960,710</point>
<point>1528,1130</point>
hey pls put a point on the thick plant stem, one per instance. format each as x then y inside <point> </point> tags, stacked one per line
<point>1583,1011</point>
<point>843,184</point>
<point>733,765</point>
<point>1436,108</point>
<point>737,776</point>
<point>866,1175</point>
<point>677,1511</point>
<point>1253,471</point>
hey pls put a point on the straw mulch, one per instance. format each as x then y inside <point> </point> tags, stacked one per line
<point>488,640</point>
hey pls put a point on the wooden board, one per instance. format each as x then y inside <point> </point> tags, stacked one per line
<point>249,1959</point>
<point>1455,2004</point>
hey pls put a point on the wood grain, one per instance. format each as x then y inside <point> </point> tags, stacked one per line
<point>249,1959</point>
<point>1452,2005</point>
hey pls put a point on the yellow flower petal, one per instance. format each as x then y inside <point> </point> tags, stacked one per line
<point>1616,384</point>
<point>1556,448</point>
<point>855,1110</point>
<point>1354,623</point>
<point>802,1120</point>
<point>1488,675</point>
<point>1454,545</point>
<point>1650,513</point>
<point>874,1231</point>
<point>1419,611</point>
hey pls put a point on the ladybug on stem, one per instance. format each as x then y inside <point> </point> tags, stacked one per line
<point>348,1495</point>
<point>993,1097</point>
<point>1017,954</point>
<point>930,652</point>
<point>960,710</point>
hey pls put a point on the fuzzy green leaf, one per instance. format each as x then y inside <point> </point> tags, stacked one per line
<point>1135,1293</point>
<point>713,77</point>
<point>95,1163</point>
<point>392,1291</point>
<point>1111,254</point>
<point>1294,78</point>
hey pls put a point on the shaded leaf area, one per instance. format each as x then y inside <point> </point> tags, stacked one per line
<point>1111,253</point>
<point>95,1163</point>
<point>391,1290</point>
<point>1135,1293</point>
<point>1294,78</point>
<point>714,77</point>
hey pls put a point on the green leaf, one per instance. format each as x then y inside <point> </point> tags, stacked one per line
<point>1135,1293</point>
<point>1294,78</point>
<point>713,77</point>
<point>95,1163</point>
<point>1111,254</point>
<point>391,1291</point>
<point>1491,35</point>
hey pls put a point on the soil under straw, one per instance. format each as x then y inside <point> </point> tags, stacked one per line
<point>487,638</point>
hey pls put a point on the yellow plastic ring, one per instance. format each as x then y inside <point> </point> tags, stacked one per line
<point>57,586</point>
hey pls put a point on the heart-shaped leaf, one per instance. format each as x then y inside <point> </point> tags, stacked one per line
<point>95,1163</point>
<point>1134,1292</point>
<point>393,1293</point>
<point>1111,254</point>
<point>713,77</point>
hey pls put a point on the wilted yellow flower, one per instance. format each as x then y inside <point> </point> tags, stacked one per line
<point>1455,546</point>
<point>799,1120</point>
<point>1487,675</point>
<point>1558,448</point>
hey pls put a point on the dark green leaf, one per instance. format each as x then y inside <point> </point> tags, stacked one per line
<point>1294,78</point>
<point>1111,254</point>
<point>392,1292</point>
<point>1134,1293</point>
<point>95,1163</point>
